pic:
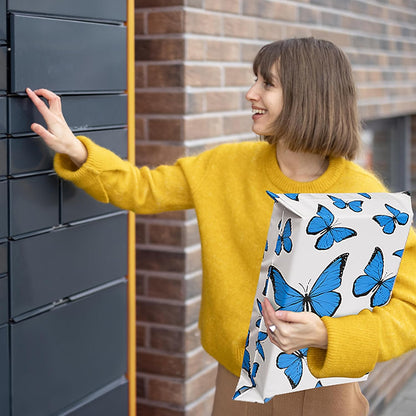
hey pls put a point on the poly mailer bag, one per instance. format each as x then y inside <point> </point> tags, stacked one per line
<point>331,254</point>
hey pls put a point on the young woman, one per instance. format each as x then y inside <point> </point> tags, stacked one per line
<point>304,105</point>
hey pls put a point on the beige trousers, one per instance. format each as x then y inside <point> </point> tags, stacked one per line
<point>340,400</point>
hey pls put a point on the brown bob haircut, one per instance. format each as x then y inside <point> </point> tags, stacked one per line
<point>319,112</point>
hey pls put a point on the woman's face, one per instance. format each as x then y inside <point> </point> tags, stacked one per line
<point>266,103</point>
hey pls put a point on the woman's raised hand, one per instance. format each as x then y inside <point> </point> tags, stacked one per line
<point>58,136</point>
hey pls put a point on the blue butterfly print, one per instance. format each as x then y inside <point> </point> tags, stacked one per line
<point>321,299</point>
<point>398,253</point>
<point>266,285</point>
<point>322,224</point>
<point>246,357</point>
<point>365,195</point>
<point>293,197</point>
<point>283,239</point>
<point>243,389</point>
<point>318,384</point>
<point>388,223</point>
<point>373,281</point>
<point>355,206</point>
<point>272,195</point>
<point>261,337</point>
<point>261,313</point>
<point>293,365</point>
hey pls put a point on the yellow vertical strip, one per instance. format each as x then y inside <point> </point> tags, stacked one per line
<point>131,372</point>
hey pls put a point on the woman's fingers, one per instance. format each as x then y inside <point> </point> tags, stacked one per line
<point>53,100</point>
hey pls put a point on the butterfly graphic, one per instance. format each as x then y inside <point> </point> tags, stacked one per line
<point>388,223</point>
<point>293,365</point>
<point>365,195</point>
<point>398,253</point>
<point>293,197</point>
<point>355,206</point>
<point>283,239</point>
<point>272,195</point>
<point>321,299</point>
<point>262,336</point>
<point>373,281</point>
<point>261,313</point>
<point>322,224</point>
<point>318,384</point>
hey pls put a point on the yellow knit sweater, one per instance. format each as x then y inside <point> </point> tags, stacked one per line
<point>227,187</point>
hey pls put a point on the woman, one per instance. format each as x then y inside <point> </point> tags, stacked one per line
<point>304,106</point>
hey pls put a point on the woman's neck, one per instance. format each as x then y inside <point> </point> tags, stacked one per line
<point>298,166</point>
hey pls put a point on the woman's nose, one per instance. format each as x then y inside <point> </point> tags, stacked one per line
<point>252,94</point>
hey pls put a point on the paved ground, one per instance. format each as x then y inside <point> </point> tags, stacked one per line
<point>404,404</point>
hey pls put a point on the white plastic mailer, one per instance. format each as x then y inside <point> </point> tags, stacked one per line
<point>331,254</point>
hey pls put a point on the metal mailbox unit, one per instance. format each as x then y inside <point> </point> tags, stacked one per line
<point>65,330</point>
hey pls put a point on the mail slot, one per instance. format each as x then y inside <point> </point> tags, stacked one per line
<point>3,69</point>
<point>4,373</point>
<point>66,261</point>
<point>3,22</point>
<point>3,115</point>
<point>4,299</point>
<point>111,400</point>
<point>3,157</point>
<point>34,203</point>
<point>66,48</point>
<point>3,258</point>
<point>3,210</point>
<point>82,112</point>
<point>72,350</point>
<point>95,9</point>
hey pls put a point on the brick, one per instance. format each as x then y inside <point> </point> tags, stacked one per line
<point>270,31</point>
<point>197,362</point>
<point>170,129</point>
<point>168,365</point>
<point>271,10</point>
<point>202,75</point>
<point>198,128</point>
<point>159,49</point>
<point>298,31</point>
<point>237,124</point>
<point>165,288</point>
<point>195,49</point>
<point>239,27</point>
<point>168,339</point>
<point>166,22</point>
<point>195,103</point>
<point>308,15</point>
<point>140,387</point>
<point>192,311</point>
<point>140,76</point>
<point>239,76</point>
<point>223,100</point>
<point>167,391</point>
<point>157,409</point>
<point>200,384</point>
<point>193,286</point>
<point>140,128</point>
<point>141,335</point>
<point>156,154</point>
<point>249,51</point>
<point>192,338</point>
<point>203,407</point>
<point>173,235</point>
<point>165,75</point>
<point>157,3</point>
<point>159,102</point>
<point>156,260</point>
<point>195,3</point>
<point>230,6</point>
<point>140,284</point>
<point>160,312</point>
<point>203,23</point>
<point>223,51</point>
<point>140,233</point>
<point>139,23</point>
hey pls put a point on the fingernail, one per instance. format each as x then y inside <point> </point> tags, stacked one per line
<point>272,328</point>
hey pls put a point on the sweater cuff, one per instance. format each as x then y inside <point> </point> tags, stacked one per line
<point>351,352</point>
<point>87,175</point>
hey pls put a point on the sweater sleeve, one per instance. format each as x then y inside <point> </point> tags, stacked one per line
<point>110,179</point>
<point>357,342</point>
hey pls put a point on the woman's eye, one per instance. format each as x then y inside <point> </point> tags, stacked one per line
<point>267,84</point>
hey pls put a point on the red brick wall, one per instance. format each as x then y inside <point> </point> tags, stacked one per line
<point>193,67</point>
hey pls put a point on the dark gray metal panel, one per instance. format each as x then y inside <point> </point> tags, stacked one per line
<point>4,299</point>
<point>113,10</point>
<point>3,21</point>
<point>81,112</point>
<point>66,261</point>
<point>76,56</point>
<point>110,401</point>
<point>3,157</point>
<point>3,69</point>
<point>78,205</point>
<point>4,373</point>
<point>113,139</point>
<point>3,258</point>
<point>3,210</point>
<point>29,154</point>
<point>60,356</point>
<point>3,115</point>
<point>34,203</point>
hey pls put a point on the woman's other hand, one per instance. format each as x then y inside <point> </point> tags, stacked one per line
<point>292,331</point>
<point>58,136</point>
